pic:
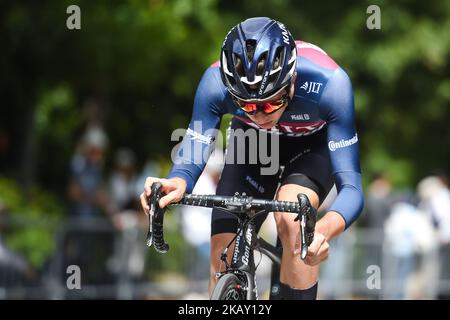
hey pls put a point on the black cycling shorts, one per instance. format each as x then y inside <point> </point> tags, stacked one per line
<point>305,161</point>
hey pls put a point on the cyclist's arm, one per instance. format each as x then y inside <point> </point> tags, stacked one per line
<point>199,139</point>
<point>337,106</point>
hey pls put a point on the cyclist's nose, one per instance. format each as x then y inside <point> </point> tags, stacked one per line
<point>261,117</point>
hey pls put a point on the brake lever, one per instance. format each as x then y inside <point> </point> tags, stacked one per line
<point>307,217</point>
<point>155,235</point>
<point>152,202</point>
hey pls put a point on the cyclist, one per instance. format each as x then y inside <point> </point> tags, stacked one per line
<point>292,89</point>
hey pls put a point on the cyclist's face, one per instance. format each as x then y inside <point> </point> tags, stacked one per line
<point>267,121</point>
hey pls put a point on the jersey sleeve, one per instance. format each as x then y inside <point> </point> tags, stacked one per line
<point>198,142</point>
<point>337,106</point>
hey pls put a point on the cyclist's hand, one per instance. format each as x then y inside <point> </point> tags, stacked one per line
<point>317,250</point>
<point>173,189</point>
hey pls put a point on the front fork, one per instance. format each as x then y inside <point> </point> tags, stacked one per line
<point>248,282</point>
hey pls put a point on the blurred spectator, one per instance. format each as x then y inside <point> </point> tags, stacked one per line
<point>122,189</point>
<point>85,188</point>
<point>129,253</point>
<point>88,243</point>
<point>378,201</point>
<point>196,222</point>
<point>435,202</point>
<point>14,269</point>
<point>409,240</point>
<point>125,186</point>
<point>122,181</point>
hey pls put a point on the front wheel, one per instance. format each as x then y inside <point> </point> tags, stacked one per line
<point>229,287</point>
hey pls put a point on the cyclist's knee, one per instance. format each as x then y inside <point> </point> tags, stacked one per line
<point>288,192</point>
<point>287,228</point>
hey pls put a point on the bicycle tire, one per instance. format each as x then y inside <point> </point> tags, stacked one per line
<point>229,287</point>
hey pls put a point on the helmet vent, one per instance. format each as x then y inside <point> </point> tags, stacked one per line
<point>261,64</point>
<point>238,65</point>
<point>277,61</point>
<point>250,46</point>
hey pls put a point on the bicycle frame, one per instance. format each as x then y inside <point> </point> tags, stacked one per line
<point>243,263</point>
<point>245,208</point>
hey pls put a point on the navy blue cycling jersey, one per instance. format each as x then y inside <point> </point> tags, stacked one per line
<point>323,100</point>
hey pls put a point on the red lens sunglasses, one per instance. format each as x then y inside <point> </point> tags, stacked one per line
<point>266,108</point>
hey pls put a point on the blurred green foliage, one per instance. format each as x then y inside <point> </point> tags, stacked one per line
<point>142,59</point>
<point>30,225</point>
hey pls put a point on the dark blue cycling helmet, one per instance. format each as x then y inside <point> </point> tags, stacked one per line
<point>258,59</point>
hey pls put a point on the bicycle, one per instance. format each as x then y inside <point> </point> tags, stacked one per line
<point>237,282</point>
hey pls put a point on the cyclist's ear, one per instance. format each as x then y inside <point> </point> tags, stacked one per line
<point>292,87</point>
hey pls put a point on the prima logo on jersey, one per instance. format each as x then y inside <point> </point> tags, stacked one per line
<point>255,184</point>
<point>333,145</point>
<point>297,117</point>
<point>311,86</point>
